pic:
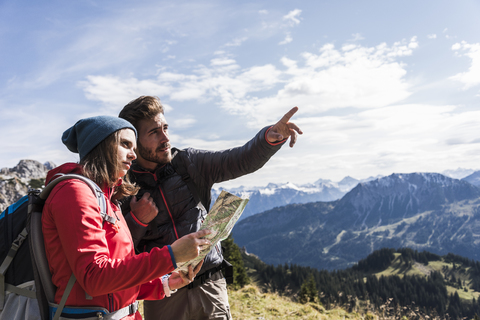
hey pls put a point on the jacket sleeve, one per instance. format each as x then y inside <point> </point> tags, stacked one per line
<point>152,290</point>
<point>229,164</point>
<point>83,239</point>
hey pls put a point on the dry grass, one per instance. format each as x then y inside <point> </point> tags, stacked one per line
<point>251,304</point>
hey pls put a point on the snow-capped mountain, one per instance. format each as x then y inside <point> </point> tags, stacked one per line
<point>423,211</point>
<point>400,196</point>
<point>276,195</point>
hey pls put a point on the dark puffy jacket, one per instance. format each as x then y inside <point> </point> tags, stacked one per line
<point>178,213</point>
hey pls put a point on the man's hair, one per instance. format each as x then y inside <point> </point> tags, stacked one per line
<point>144,107</point>
<point>101,165</point>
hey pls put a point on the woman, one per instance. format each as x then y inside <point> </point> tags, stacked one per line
<point>100,253</point>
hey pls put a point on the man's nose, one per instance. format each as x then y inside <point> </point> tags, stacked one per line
<point>165,137</point>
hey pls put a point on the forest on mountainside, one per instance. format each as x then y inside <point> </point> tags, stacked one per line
<point>387,281</point>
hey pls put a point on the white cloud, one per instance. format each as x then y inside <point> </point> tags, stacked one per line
<point>236,42</point>
<point>185,122</point>
<point>471,77</point>
<point>288,39</point>
<point>113,91</point>
<point>432,36</point>
<point>399,138</point>
<point>293,17</point>
<point>348,47</point>
<point>357,37</point>
<point>356,76</point>
<point>222,62</point>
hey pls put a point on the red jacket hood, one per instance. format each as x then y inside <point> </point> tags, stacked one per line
<point>69,167</point>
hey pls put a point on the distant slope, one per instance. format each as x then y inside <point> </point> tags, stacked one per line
<point>425,211</point>
<point>473,178</point>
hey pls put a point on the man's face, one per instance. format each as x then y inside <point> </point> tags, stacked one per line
<point>153,145</point>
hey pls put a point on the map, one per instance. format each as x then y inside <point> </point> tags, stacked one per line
<point>220,220</point>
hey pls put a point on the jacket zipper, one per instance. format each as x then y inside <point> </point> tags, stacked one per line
<point>110,302</point>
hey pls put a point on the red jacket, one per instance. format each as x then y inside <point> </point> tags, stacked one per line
<point>102,258</point>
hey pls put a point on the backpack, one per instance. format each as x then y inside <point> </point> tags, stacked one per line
<point>26,288</point>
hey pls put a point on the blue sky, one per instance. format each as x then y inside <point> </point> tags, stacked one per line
<point>382,86</point>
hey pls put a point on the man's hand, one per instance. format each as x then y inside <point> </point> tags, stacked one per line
<point>189,246</point>
<point>284,129</point>
<point>179,279</point>
<point>144,209</point>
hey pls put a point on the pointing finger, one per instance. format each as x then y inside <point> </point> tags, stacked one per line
<point>288,115</point>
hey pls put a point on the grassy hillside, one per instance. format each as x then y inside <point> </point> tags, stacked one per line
<point>448,269</point>
<point>274,292</point>
<point>250,303</point>
<point>390,282</point>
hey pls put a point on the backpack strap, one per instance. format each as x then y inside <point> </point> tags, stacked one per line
<point>4,267</point>
<point>180,163</point>
<point>41,268</point>
<point>93,186</point>
<point>65,295</point>
<point>16,244</point>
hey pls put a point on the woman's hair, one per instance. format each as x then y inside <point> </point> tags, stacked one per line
<point>102,166</point>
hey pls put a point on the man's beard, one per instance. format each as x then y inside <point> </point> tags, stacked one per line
<point>153,156</point>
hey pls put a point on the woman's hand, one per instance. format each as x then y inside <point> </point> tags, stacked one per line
<point>188,247</point>
<point>179,279</point>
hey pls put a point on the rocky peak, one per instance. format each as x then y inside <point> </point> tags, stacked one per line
<point>400,196</point>
<point>14,182</point>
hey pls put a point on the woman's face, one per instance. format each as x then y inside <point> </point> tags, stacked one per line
<point>126,154</point>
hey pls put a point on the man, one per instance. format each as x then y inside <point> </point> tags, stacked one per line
<point>177,195</point>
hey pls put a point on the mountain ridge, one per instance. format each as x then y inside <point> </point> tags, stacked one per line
<point>417,210</point>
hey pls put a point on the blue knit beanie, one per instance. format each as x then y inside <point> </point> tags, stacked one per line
<point>87,133</point>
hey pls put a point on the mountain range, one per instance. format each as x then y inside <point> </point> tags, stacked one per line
<point>331,225</point>
<point>277,195</point>
<point>425,211</point>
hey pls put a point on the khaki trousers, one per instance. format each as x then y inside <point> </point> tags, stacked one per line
<point>208,301</point>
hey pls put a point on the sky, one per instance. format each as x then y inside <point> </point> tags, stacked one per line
<point>382,86</point>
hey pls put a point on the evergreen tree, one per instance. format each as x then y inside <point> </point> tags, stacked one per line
<point>308,291</point>
<point>232,254</point>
